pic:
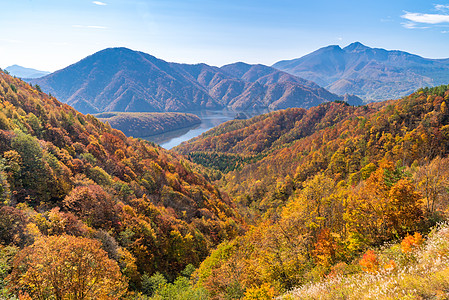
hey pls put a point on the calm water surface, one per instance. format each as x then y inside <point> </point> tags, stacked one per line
<point>209,119</point>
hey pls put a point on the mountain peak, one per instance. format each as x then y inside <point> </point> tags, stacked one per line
<point>120,79</point>
<point>116,51</point>
<point>329,48</point>
<point>355,47</point>
<point>23,72</point>
<point>370,73</point>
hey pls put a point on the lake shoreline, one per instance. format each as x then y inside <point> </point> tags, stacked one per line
<point>209,120</point>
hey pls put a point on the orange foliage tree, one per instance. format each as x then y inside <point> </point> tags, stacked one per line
<point>325,248</point>
<point>404,211</point>
<point>93,205</point>
<point>386,205</point>
<point>411,242</point>
<point>369,262</point>
<point>66,267</point>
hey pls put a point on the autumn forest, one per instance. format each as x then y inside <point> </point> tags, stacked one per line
<point>331,202</point>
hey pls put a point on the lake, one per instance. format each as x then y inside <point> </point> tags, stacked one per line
<point>209,119</point>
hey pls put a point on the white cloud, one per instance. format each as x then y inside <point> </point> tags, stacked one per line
<point>412,25</point>
<point>441,7</point>
<point>409,25</point>
<point>426,18</point>
<point>90,26</point>
<point>98,3</point>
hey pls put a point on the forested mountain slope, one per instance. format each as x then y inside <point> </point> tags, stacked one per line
<point>321,194</point>
<point>321,188</point>
<point>65,174</point>
<point>147,124</point>
<point>333,138</point>
<point>265,132</point>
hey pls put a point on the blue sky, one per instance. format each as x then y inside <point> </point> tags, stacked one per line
<point>51,34</point>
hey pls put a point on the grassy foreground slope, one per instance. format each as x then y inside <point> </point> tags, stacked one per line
<point>409,270</point>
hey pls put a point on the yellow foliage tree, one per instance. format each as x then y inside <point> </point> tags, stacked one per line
<point>66,267</point>
<point>263,292</point>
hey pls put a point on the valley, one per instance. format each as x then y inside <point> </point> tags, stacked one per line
<point>209,119</point>
<point>322,183</point>
<point>157,180</point>
<point>269,204</point>
<point>124,80</point>
<point>224,150</point>
<point>67,174</point>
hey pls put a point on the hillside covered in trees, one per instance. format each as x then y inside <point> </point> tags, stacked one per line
<point>147,124</point>
<point>87,212</point>
<point>303,202</point>
<point>323,186</point>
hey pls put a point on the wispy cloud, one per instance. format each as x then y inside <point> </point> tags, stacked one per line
<point>90,26</point>
<point>426,18</point>
<point>99,3</point>
<point>442,7</point>
<point>412,25</point>
<point>409,25</point>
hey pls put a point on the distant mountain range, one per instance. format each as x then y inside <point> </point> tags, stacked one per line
<point>370,73</point>
<point>120,79</point>
<point>23,72</point>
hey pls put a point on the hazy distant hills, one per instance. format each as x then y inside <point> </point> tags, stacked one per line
<point>120,79</point>
<point>370,73</point>
<point>23,72</point>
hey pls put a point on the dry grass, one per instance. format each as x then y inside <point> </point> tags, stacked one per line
<point>421,274</point>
